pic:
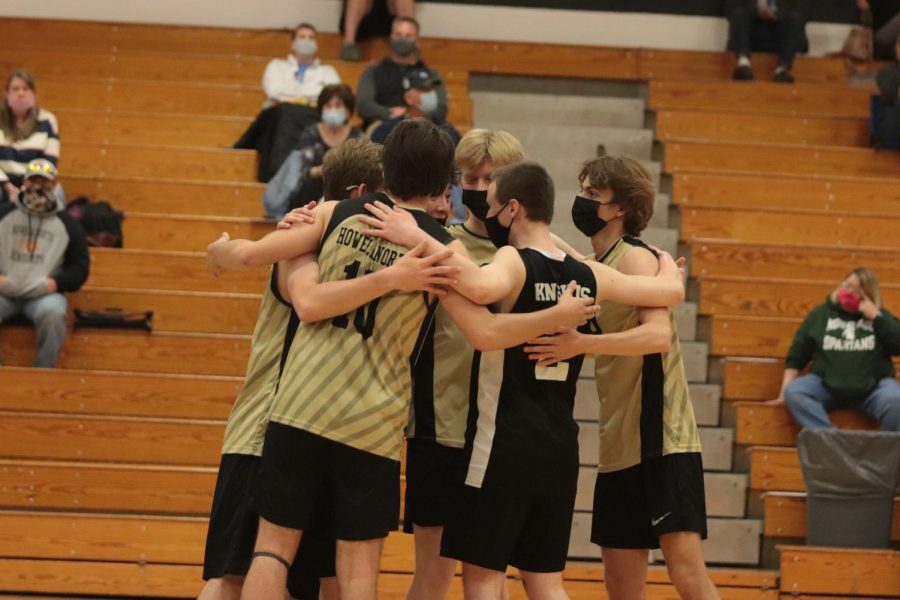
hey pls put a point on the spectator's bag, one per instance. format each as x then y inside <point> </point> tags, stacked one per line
<point>859,44</point>
<point>102,224</point>
<point>114,318</point>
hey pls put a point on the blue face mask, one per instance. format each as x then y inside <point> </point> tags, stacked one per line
<point>428,102</point>
<point>334,117</point>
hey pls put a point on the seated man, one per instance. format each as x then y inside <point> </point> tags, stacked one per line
<point>766,25</point>
<point>380,93</point>
<point>300,77</point>
<point>43,254</point>
<point>420,97</point>
<point>887,115</point>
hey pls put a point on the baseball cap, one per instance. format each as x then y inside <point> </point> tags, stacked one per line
<point>40,167</point>
<point>420,79</point>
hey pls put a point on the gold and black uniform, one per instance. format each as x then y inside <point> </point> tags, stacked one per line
<point>336,426</point>
<point>650,479</point>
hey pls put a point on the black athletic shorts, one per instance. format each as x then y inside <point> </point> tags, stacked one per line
<point>432,473</point>
<point>634,506</point>
<point>497,527</point>
<point>231,536</point>
<point>301,471</point>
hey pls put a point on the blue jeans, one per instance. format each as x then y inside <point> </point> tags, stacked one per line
<point>809,402</point>
<point>48,313</point>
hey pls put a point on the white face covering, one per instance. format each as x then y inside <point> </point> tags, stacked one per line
<point>428,102</point>
<point>305,47</point>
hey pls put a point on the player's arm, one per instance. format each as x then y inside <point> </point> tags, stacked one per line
<point>314,300</point>
<point>489,331</point>
<point>482,285</point>
<point>282,244</point>
<point>665,289</point>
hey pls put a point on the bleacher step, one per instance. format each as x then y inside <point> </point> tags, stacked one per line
<point>554,109</point>
<point>543,142</point>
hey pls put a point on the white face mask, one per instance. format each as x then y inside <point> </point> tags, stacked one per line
<point>305,47</point>
<point>428,102</point>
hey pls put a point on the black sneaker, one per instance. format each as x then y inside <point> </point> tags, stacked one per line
<point>350,52</point>
<point>782,76</point>
<point>742,73</point>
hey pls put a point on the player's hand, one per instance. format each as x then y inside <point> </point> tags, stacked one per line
<point>574,311</point>
<point>414,272</point>
<point>551,349</point>
<point>393,224</point>
<point>304,214</point>
<point>669,267</point>
<point>868,308</point>
<point>211,251</point>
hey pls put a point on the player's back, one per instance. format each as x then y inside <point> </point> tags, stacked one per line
<point>348,379</point>
<point>521,425</point>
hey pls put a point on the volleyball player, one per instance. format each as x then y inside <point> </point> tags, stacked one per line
<point>649,490</point>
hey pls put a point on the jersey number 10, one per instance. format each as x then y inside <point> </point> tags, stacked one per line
<point>364,316</point>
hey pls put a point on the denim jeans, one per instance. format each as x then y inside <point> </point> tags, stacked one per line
<point>741,15</point>
<point>809,402</point>
<point>48,313</point>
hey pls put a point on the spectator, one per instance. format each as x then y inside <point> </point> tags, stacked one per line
<point>336,104</point>
<point>380,93</point>
<point>300,77</point>
<point>887,114</point>
<point>43,254</point>
<point>849,340</point>
<point>885,25</point>
<point>355,10</point>
<point>769,26</point>
<point>420,97</point>
<point>27,132</point>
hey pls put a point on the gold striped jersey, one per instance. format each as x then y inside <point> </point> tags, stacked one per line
<point>275,324</point>
<point>645,405</point>
<point>349,379</point>
<point>443,365</point>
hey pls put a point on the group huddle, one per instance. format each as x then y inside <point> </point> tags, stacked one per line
<point>380,325</point>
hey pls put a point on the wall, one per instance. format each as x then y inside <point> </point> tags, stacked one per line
<point>440,20</point>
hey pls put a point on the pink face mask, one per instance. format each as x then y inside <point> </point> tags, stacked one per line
<point>21,104</point>
<point>848,300</point>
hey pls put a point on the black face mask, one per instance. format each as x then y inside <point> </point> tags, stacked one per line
<point>403,46</point>
<point>584,216</point>
<point>498,234</point>
<point>476,202</point>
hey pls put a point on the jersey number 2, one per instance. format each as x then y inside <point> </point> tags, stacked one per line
<point>364,316</point>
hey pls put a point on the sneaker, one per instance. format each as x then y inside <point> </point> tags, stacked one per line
<point>742,73</point>
<point>782,76</point>
<point>350,52</point>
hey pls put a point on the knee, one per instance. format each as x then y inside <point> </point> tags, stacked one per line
<point>686,575</point>
<point>623,588</point>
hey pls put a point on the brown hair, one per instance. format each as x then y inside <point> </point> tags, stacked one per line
<point>303,25</point>
<point>631,184</point>
<point>417,159</point>
<point>531,185</point>
<point>868,282</point>
<point>337,90</point>
<point>8,119</point>
<point>351,163</point>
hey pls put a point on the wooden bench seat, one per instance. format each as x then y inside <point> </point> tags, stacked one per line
<point>841,194</point>
<point>809,99</point>
<point>170,162</point>
<point>168,270</point>
<point>724,257</point>
<point>853,572</point>
<point>768,337</point>
<point>187,233</point>
<point>785,515</point>
<point>134,351</point>
<point>169,196</point>
<point>708,126</point>
<point>763,424</point>
<point>771,297</point>
<point>693,64</point>
<point>799,227</point>
<point>780,159</point>
<point>775,468</point>
<point>177,311</point>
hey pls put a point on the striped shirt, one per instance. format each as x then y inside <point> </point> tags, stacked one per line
<point>350,379</point>
<point>274,329</point>
<point>645,404</point>
<point>42,143</point>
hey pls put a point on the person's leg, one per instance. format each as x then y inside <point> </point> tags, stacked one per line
<point>791,26</point>
<point>329,588</point>
<point>809,401</point>
<point>434,573</point>
<point>354,12</point>
<point>886,36</point>
<point>544,586</point>
<point>48,313</point>
<point>222,588</point>
<point>687,569</point>
<point>402,8</point>
<point>624,572</point>
<point>883,404</point>
<point>275,549</point>
<point>357,568</point>
<point>740,14</point>
<point>482,584</point>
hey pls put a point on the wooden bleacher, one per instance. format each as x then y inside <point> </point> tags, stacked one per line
<point>786,516</point>
<point>769,425</point>
<point>839,572</point>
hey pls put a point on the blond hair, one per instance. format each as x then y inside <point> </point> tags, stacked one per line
<point>868,282</point>
<point>631,185</point>
<point>478,145</point>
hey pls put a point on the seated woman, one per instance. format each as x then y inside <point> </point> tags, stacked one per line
<point>27,132</point>
<point>336,105</point>
<point>849,340</point>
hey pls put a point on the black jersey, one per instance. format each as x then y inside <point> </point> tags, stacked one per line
<point>521,431</point>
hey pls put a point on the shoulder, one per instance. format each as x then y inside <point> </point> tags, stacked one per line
<point>638,260</point>
<point>277,63</point>
<point>427,224</point>
<point>49,117</point>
